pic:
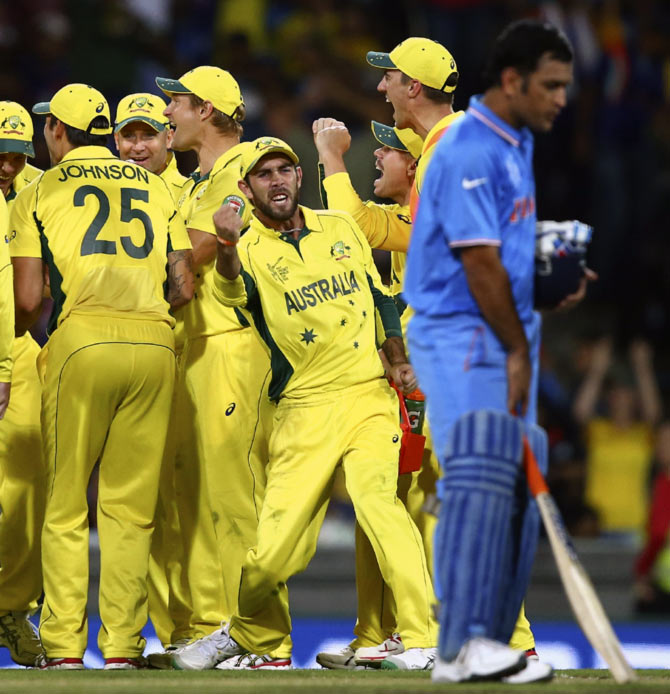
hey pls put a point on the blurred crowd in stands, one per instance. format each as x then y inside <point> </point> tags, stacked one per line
<point>605,386</point>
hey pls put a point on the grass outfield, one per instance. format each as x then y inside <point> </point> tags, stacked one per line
<point>167,682</point>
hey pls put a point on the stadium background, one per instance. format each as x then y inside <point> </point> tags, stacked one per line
<point>607,162</point>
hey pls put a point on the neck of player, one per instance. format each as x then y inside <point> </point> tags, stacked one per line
<point>295,222</point>
<point>211,148</point>
<point>425,118</point>
<point>496,100</point>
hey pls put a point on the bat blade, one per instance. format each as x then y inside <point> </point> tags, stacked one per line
<point>582,596</point>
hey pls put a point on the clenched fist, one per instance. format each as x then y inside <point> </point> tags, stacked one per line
<point>331,137</point>
<point>228,224</point>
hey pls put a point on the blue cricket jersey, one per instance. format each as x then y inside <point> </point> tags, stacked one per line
<point>479,189</point>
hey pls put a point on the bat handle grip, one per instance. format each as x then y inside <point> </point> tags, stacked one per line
<point>536,482</point>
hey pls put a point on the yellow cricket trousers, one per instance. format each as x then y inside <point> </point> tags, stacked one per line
<point>377,610</point>
<point>170,603</point>
<point>23,478</point>
<point>226,379</point>
<point>357,427</point>
<point>107,394</point>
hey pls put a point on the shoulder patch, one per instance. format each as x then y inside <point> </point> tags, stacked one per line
<point>236,202</point>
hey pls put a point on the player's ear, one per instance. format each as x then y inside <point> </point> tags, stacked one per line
<point>116,141</point>
<point>298,174</point>
<point>510,81</point>
<point>169,136</point>
<point>206,109</point>
<point>246,189</point>
<point>411,168</point>
<point>414,88</point>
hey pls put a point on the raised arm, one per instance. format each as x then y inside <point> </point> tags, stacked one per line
<point>589,391</point>
<point>228,226</point>
<point>641,358</point>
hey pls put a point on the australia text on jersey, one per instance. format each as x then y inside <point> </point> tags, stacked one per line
<point>97,171</point>
<point>321,290</point>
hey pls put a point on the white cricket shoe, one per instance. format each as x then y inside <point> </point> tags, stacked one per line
<point>411,659</point>
<point>344,659</point>
<point>125,663</point>
<point>535,671</point>
<point>479,659</point>
<point>163,659</point>
<point>249,661</point>
<point>207,652</point>
<point>374,655</point>
<point>62,664</point>
<point>20,636</point>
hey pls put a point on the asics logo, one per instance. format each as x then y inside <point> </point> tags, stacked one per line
<point>469,183</point>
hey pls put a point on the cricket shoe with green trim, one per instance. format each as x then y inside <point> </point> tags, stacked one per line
<point>373,656</point>
<point>344,659</point>
<point>162,660</point>
<point>411,659</point>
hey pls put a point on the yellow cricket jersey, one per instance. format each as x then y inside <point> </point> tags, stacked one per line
<point>104,228</point>
<point>173,178</point>
<point>201,197</point>
<point>312,302</point>
<point>387,227</point>
<point>6,298</point>
<point>429,144</point>
<point>29,174</point>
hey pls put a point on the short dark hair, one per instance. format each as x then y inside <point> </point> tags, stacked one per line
<point>81,138</point>
<point>226,125</point>
<point>521,45</point>
<point>435,95</point>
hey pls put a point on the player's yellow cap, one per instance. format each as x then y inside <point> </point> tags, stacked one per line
<point>16,129</point>
<point>421,59</point>
<point>209,83</point>
<point>405,139</point>
<point>144,107</point>
<point>259,148</point>
<point>77,105</point>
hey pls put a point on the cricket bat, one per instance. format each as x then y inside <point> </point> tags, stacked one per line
<point>578,587</point>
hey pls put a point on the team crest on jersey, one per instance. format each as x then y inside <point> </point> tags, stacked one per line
<point>10,236</point>
<point>279,272</point>
<point>13,122</point>
<point>202,190</point>
<point>236,202</point>
<point>513,171</point>
<point>340,251</point>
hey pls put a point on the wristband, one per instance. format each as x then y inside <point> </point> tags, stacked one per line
<point>225,242</point>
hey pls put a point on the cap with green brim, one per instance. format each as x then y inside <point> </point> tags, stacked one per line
<point>422,59</point>
<point>209,83</point>
<point>404,140</point>
<point>144,107</point>
<point>261,147</point>
<point>382,60</point>
<point>77,105</point>
<point>16,129</point>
